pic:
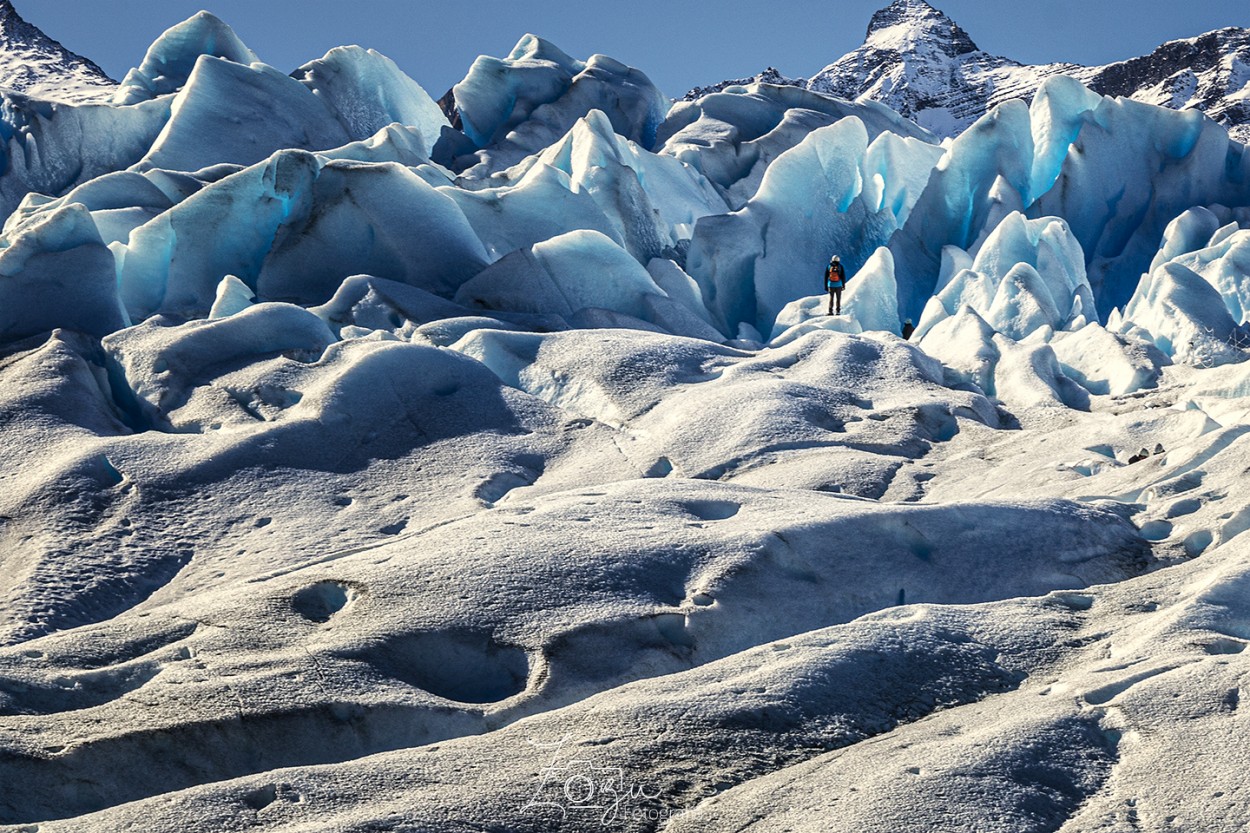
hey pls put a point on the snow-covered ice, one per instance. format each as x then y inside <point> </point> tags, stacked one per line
<point>377,464</point>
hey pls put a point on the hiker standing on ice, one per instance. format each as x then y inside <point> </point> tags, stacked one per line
<point>835,281</point>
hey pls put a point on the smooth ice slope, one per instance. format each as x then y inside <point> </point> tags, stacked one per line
<point>233,296</point>
<point>576,271</point>
<point>59,274</point>
<point>218,96</point>
<point>871,296</point>
<point>541,205</point>
<point>172,57</point>
<point>367,92</point>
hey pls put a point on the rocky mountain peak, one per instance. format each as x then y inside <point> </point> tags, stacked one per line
<point>904,25</point>
<point>12,26</point>
<point>35,64</point>
<point>922,64</point>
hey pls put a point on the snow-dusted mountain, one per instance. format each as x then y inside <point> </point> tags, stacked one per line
<point>1209,73</point>
<point>363,469</point>
<point>771,75</point>
<point>35,64</point>
<point>918,61</point>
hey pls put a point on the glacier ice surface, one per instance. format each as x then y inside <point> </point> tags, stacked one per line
<point>363,449</point>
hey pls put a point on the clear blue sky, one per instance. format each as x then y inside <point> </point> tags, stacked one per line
<point>679,44</point>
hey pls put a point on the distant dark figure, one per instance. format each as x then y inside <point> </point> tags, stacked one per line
<point>908,329</point>
<point>835,282</point>
<point>1145,453</point>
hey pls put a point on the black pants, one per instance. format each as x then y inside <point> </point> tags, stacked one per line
<point>835,296</point>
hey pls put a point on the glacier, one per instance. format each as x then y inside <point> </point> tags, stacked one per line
<point>374,462</point>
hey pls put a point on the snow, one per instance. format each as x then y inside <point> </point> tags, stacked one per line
<point>363,473</point>
<point>922,64</point>
<point>33,64</point>
<point>1108,364</point>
